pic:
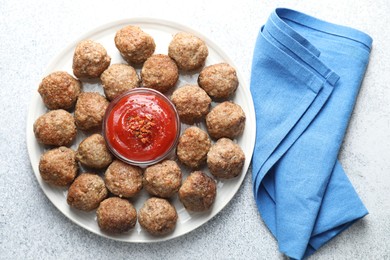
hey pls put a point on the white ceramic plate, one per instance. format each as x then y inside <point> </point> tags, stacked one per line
<point>162,32</point>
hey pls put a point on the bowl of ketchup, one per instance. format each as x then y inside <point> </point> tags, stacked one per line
<point>141,127</point>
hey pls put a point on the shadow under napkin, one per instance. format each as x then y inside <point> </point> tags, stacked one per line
<point>306,75</point>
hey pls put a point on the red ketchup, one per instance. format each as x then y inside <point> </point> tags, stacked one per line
<point>141,126</point>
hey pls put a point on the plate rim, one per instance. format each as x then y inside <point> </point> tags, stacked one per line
<point>131,21</point>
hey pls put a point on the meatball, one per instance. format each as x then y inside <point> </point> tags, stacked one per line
<point>157,216</point>
<point>198,192</point>
<point>219,81</point>
<point>163,179</point>
<point>123,179</point>
<point>193,147</point>
<point>159,72</point>
<point>192,103</point>
<point>93,152</point>
<point>59,90</point>
<point>56,127</point>
<point>118,78</point>
<point>225,159</point>
<point>90,59</point>
<point>86,192</point>
<point>58,166</point>
<point>116,215</point>
<point>225,120</point>
<point>134,44</point>
<point>90,110</point>
<point>188,51</point>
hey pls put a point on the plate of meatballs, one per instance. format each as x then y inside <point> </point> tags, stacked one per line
<point>192,181</point>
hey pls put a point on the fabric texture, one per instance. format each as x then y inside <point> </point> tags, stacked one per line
<point>306,75</point>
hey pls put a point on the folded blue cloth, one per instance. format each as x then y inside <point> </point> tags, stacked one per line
<point>306,74</point>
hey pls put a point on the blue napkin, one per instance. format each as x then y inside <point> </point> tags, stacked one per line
<point>306,75</point>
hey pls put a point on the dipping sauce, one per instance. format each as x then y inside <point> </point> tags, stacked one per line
<point>141,126</point>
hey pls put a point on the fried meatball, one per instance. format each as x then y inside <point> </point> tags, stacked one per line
<point>134,44</point>
<point>188,51</point>
<point>86,192</point>
<point>191,102</point>
<point>193,147</point>
<point>56,127</point>
<point>219,81</point>
<point>198,192</point>
<point>123,179</point>
<point>157,216</point>
<point>163,179</point>
<point>90,59</point>
<point>159,72</point>
<point>58,166</point>
<point>225,159</point>
<point>117,79</point>
<point>116,215</point>
<point>90,110</point>
<point>59,90</point>
<point>93,152</point>
<point>225,120</point>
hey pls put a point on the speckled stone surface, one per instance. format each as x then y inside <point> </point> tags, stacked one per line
<point>33,32</point>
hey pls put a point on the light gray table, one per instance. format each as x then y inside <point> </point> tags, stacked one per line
<point>33,32</point>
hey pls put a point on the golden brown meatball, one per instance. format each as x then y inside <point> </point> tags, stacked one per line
<point>198,192</point>
<point>225,159</point>
<point>157,216</point>
<point>193,147</point>
<point>188,51</point>
<point>56,127</point>
<point>159,72</point>
<point>134,44</point>
<point>191,102</point>
<point>90,59</point>
<point>219,81</point>
<point>93,152</point>
<point>116,215</point>
<point>90,110</point>
<point>117,79</point>
<point>58,166</point>
<point>86,192</point>
<point>225,120</point>
<point>123,179</point>
<point>59,90</point>
<point>163,179</point>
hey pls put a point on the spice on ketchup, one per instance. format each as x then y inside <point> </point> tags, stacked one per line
<point>141,126</point>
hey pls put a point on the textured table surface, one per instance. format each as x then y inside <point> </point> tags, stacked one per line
<point>33,32</point>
